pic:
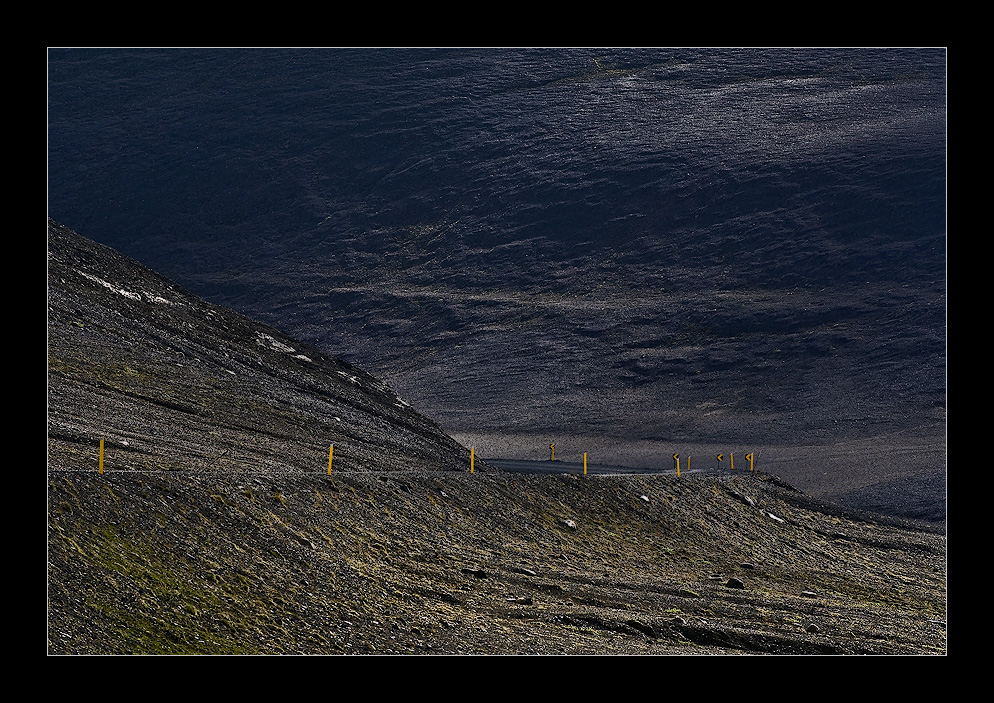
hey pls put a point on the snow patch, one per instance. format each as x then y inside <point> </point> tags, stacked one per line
<point>264,340</point>
<point>105,284</point>
<point>131,295</point>
<point>353,379</point>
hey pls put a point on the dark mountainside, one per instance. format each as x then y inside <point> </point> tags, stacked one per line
<point>627,252</point>
<point>168,361</point>
<point>216,529</point>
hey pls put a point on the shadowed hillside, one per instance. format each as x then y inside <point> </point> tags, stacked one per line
<point>626,251</point>
<point>216,529</point>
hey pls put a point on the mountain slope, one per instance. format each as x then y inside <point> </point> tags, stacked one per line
<point>215,529</point>
<point>626,251</point>
<point>137,361</point>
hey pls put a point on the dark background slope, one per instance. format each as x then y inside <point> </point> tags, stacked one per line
<point>630,252</point>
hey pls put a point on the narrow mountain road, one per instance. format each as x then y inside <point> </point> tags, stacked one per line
<point>576,467</point>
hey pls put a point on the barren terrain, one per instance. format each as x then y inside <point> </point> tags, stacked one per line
<point>215,526</point>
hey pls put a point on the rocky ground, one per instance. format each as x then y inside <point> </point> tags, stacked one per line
<point>488,563</point>
<point>216,528</point>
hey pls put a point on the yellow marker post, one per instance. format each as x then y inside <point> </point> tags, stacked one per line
<point>552,447</point>
<point>584,463</point>
<point>731,460</point>
<point>472,458</point>
<point>100,465</point>
<point>676,461</point>
<point>749,457</point>
<point>331,453</point>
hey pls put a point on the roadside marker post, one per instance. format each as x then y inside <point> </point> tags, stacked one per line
<point>731,461</point>
<point>472,458</point>
<point>749,457</point>
<point>331,453</point>
<point>100,464</point>
<point>676,462</point>
<point>584,463</point>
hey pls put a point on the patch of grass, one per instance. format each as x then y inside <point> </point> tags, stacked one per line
<point>156,605</point>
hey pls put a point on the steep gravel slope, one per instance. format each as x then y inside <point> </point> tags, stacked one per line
<point>170,381</point>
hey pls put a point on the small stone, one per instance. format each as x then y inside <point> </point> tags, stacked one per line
<point>747,565</point>
<point>570,524</point>
<point>809,594</point>
<point>734,583</point>
<point>812,628</point>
